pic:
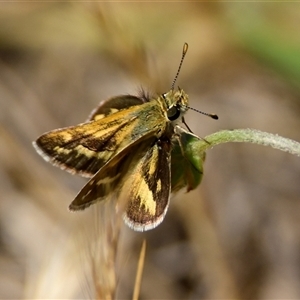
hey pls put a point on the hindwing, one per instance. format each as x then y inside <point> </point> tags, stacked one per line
<point>139,178</point>
<point>113,105</point>
<point>148,188</point>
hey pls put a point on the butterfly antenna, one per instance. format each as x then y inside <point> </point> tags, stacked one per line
<point>213,116</point>
<point>184,51</point>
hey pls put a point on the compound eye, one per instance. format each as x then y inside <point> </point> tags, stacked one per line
<point>173,113</point>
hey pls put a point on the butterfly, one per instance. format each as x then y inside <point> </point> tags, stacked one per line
<point>131,147</point>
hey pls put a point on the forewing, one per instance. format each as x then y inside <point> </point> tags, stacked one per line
<point>85,148</point>
<point>148,188</point>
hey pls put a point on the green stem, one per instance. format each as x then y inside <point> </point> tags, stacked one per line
<point>250,136</point>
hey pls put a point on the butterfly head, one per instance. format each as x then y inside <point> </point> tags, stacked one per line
<point>176,102</point>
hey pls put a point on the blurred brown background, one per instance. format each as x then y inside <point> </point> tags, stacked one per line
<point>238,235</point>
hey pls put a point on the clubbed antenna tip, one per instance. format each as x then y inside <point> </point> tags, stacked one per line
<point>213,116</point>
<point>184,51</point>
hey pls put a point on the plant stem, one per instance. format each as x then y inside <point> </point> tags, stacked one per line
<point>249,136</point>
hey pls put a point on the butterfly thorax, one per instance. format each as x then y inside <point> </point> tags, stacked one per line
<point>176,104</point>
